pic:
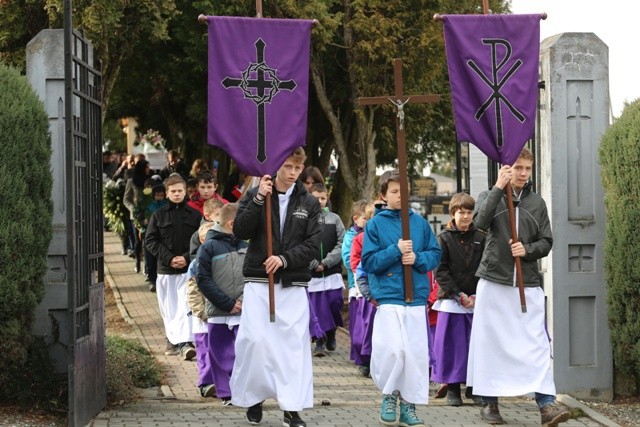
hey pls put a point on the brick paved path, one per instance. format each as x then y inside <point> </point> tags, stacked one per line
<point>342,397</point>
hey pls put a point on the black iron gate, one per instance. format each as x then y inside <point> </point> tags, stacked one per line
<point>83,188</point>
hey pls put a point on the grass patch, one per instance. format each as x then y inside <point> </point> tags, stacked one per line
<point>129,366</point>
<point>577,413</point>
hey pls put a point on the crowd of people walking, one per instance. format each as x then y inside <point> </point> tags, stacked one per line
<point>216,265</point>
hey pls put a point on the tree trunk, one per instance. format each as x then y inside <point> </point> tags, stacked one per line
<point>359,181</point>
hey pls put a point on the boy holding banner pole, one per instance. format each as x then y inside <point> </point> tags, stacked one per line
<point>273,359</point>
<point>510,352</point>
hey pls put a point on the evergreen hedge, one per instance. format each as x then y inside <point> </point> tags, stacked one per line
<point>25,226</point>
<point>620,157</point>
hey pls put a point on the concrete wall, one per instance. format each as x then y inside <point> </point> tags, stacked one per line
<point>574,113</point>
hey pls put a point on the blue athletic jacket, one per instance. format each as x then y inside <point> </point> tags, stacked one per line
<point>381,257</point>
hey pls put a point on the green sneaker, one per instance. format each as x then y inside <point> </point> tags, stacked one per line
<point>408,417</point>
<point>388,411</point>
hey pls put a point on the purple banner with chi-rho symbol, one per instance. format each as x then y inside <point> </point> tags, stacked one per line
<point>493,71</point>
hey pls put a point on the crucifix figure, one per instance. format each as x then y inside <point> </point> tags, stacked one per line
<point>399,101</point>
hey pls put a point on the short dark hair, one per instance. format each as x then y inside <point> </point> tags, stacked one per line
<point>206,177</point>
<point>385,178</point>
<point>158,188</point>
<point>313,172</point>
<point>318,187</point>
<point>461,201</point>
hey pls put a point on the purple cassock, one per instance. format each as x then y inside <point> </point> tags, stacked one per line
<point>451,347</point>
<point>361,315</point>
<point>205,372</point>
<point>222,354</point>
<point>493,71</point>
<point>258,89</point>
<point>327,307</point>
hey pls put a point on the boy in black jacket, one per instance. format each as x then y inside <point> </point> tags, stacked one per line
<point>462,245</point>
<point>273,360</point>
<point>168,234</point>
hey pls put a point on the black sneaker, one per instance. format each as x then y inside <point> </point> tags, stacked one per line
<point>319,350</point>
<point>254,414</point>
<point>292,419</point>
<point>364,370</point>
<point>331,340</point>
<point>453,395</point>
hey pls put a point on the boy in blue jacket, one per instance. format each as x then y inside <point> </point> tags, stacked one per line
<point>400,347</point>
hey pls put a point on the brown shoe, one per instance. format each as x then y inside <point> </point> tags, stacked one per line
<point>491,414</point>
<point>442,391</point>
<point>551,415</point>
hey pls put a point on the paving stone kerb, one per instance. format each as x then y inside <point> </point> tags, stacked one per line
<point>342,397</point>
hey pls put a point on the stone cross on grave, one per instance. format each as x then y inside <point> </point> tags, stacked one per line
<point>435,223</point>
<point>399,101</point>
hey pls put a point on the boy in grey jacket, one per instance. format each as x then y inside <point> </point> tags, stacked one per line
<point>219,278</point>
<point>510,352</point>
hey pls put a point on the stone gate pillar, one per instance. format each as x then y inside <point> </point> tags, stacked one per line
<point>45,72</point>
<point>574,113</point>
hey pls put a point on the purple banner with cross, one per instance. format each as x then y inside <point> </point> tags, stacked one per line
<point>493,71</point>
<point>258,89</point>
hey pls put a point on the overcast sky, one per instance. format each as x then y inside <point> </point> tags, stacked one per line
<point>615,22</point>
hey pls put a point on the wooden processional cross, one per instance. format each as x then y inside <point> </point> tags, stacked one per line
<point>399,101</point>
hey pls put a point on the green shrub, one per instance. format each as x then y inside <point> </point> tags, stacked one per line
<point>39,386</point>
<point>25,221</point>
<point>129,365</point>
<point>620,157</point>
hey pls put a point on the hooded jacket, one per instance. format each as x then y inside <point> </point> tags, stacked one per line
<point>461,254</point>
<point>329,253</point>
<point>219,271</point>
<point>534,231</point>
<point>382,260</point>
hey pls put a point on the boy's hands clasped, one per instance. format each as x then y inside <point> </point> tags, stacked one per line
<point>237,307</point>
<point>406,249</point>
<point>179,262</point>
